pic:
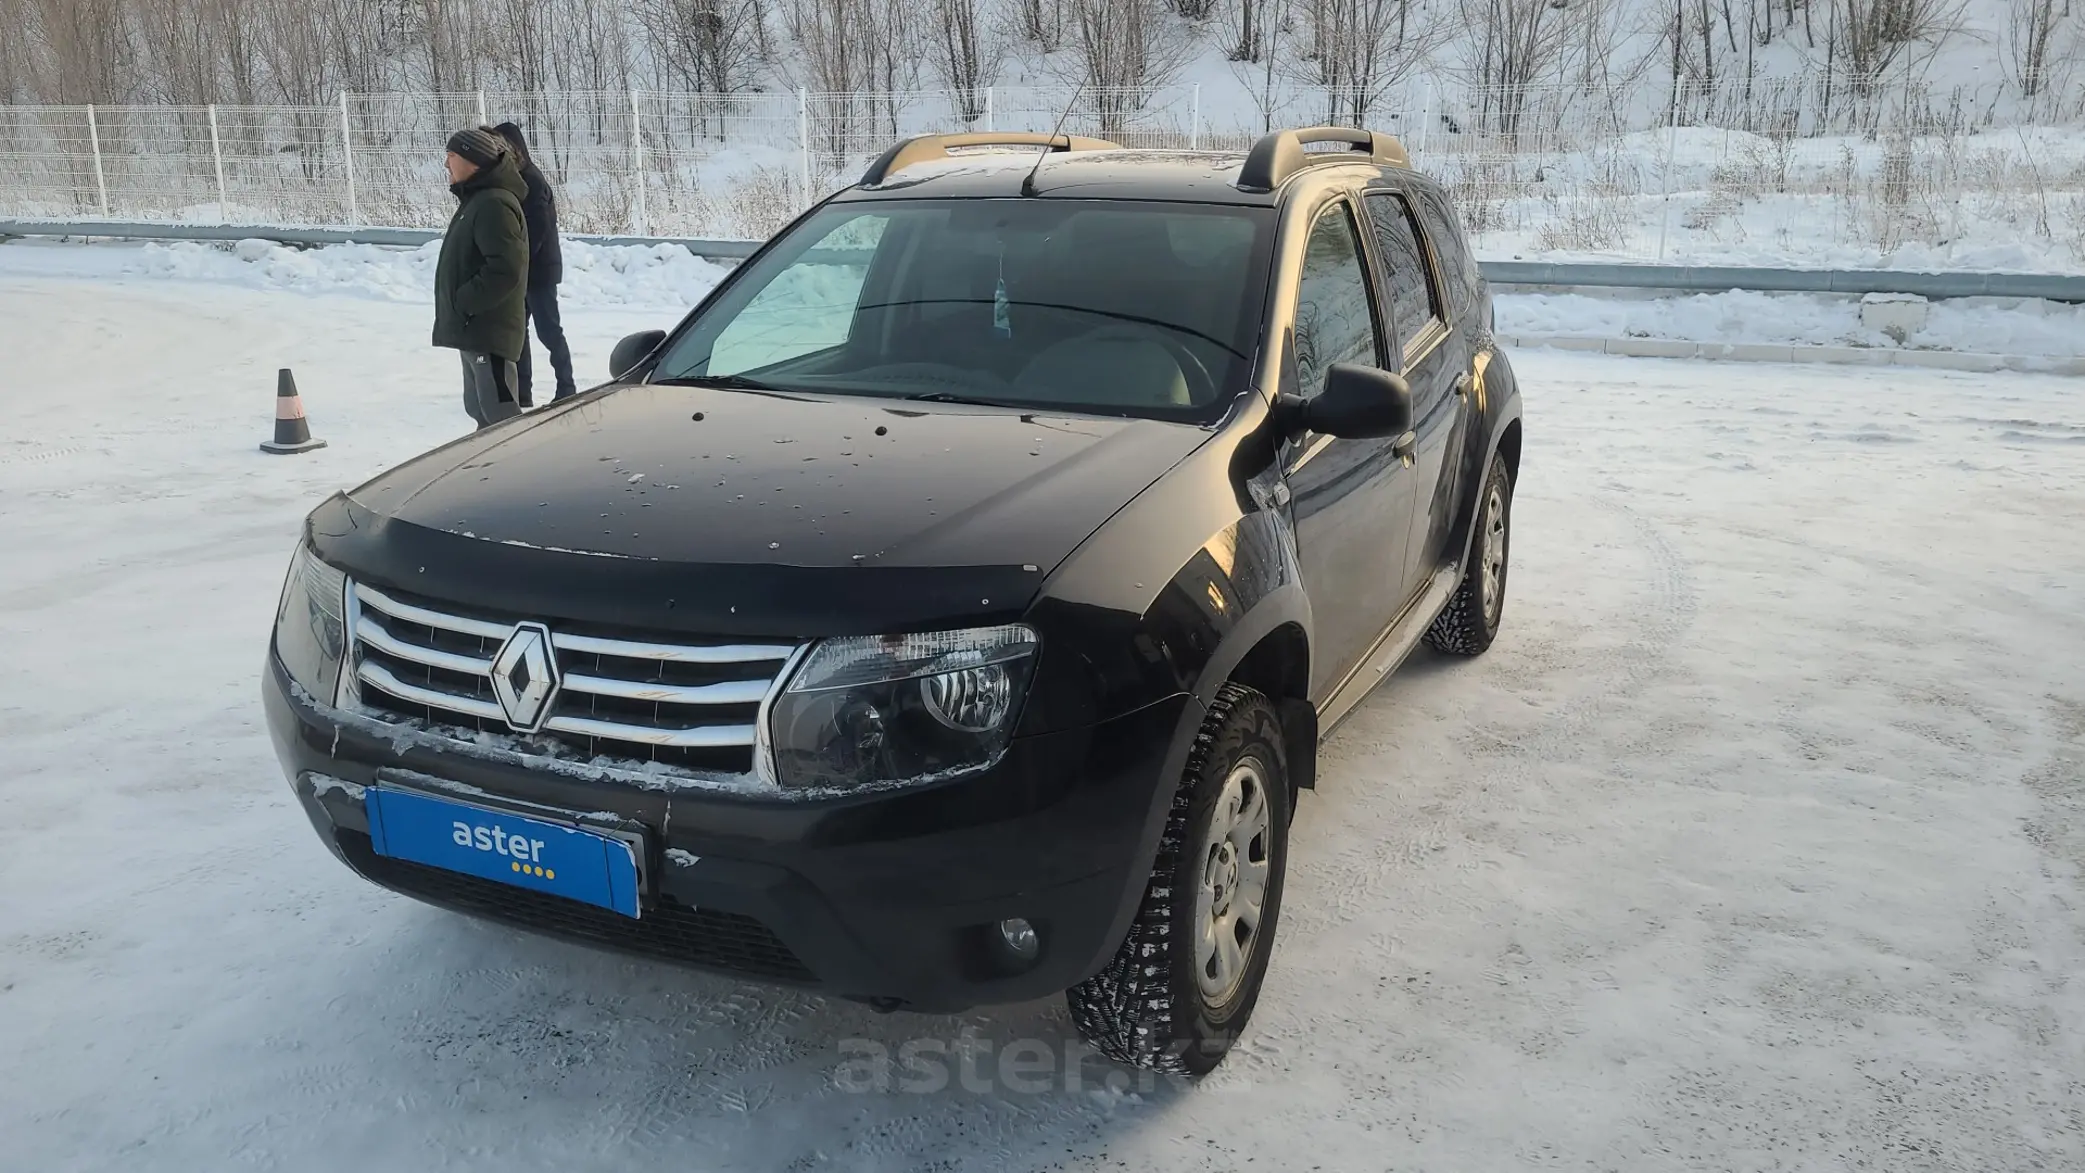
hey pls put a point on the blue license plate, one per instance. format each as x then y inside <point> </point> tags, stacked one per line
<point>528,853</point>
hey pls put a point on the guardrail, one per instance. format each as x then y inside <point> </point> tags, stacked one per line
<point>1522,274</point>
<point>1699,279</point>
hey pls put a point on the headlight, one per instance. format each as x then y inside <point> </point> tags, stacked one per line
<point>310,625</point>
<point>866,710</point>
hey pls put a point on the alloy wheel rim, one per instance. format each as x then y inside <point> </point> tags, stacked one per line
<point>1494,552</point>
<point>1231,889</point>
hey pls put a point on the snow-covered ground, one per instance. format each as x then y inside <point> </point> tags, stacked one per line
<point>1757,842</point>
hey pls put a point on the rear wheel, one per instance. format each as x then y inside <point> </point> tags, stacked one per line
<point>1179,990</point>
<point>1471,620</point>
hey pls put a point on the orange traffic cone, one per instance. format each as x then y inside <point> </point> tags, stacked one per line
<point>292,434</point>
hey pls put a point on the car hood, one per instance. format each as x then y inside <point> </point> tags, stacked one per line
<point>717,477</point>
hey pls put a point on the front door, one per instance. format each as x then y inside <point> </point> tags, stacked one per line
<point>1352,499</point>
<point>1436,362</point>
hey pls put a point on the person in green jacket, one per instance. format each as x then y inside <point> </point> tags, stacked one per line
<point>481,277</point>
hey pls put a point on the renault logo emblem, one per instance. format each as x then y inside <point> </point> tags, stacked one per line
<point>524,677</point>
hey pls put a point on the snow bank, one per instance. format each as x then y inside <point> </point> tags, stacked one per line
<point>658,276</point>
<point>1981,326</point>
<point>667,278</point>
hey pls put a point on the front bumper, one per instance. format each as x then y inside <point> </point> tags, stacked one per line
<point>892,897</point>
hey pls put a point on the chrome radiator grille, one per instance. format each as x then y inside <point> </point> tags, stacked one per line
<point>690,705</point>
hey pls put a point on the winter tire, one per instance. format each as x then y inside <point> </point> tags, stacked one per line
<point>1470,622</point>
<point>1180,988</point>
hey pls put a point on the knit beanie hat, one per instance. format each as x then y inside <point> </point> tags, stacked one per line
<point>479,145</point>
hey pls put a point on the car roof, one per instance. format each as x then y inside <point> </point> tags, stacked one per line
<point>1124,174</point>
<point>963,167</point>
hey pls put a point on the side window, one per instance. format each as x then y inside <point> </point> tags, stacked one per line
<point>1458,267</point>
<point>1413,298</point>
<point>808,307</point>
<point>1335,319</point>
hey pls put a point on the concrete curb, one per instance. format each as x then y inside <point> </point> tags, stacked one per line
<point>1942,360</point>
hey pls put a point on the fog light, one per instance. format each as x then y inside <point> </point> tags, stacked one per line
<point>1020,938</point>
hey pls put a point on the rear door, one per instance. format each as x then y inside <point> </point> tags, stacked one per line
<point>1435,360</point>
<point>1352,499</point>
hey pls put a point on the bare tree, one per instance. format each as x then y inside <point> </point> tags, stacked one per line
<point>518,37</point>
<point>836,39</point>
<point>17,83</point>
<point>594,54</point>
<point>236,33</point>
<point>182,60</point>
<point>1513,45</point>
<point>17,55</point>
<point>85,47</point>
<point>709,46</point>
<point>841,51</point>
<point>1872,38</point>
<point>1046,22</point>
<point>352,34</point>
<point>1124,50</point>
<point>966,53</point>
<point>1360,49</point>
<point>1247,42</point>
<point>2031,31</point>
<point>444,31</point>
<point>1264,26</point>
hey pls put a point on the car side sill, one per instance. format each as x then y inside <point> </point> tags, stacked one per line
<point>1390,650</point>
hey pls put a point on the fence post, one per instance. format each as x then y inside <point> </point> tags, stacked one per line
<point>347,156</point>
<point>988,110</point>
<point>1672,143</point>
<point>643,224</point>
<point>482,119</point>
<point>224,212</point>
<point>101,180</point>
<point>1425,117</point>
<point>1194,123</point>
<point>803,138</point>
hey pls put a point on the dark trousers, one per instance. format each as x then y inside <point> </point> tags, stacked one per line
<point>488,388</point>
<point>542,307</point>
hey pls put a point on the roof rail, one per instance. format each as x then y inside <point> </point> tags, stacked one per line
<point>936,146</point>
<point>1280,155</point>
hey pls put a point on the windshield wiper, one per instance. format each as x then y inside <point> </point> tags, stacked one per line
<point>970,400</point>
<point>726,382</point>
<point>1140,320</point>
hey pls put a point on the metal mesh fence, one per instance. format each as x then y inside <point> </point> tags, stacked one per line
<point>1762,170</point>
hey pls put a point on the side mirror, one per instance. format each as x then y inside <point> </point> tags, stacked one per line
<point>1357,403</point>
<point>632,350</point>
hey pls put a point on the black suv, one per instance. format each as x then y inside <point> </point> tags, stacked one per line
<point>949,609</point>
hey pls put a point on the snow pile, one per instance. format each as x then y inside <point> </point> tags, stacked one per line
<point>662,275</point>
<point>1980,326</point>
<point>656,276</point>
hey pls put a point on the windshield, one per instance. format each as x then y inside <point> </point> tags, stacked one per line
<point>1076,305</point>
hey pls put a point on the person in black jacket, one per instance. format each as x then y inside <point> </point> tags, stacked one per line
<point>481,276</point>
<point>546,267</point>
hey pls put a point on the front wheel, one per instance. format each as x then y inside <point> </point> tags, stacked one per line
<point>1178,992</point>
<point>1470,622</point>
